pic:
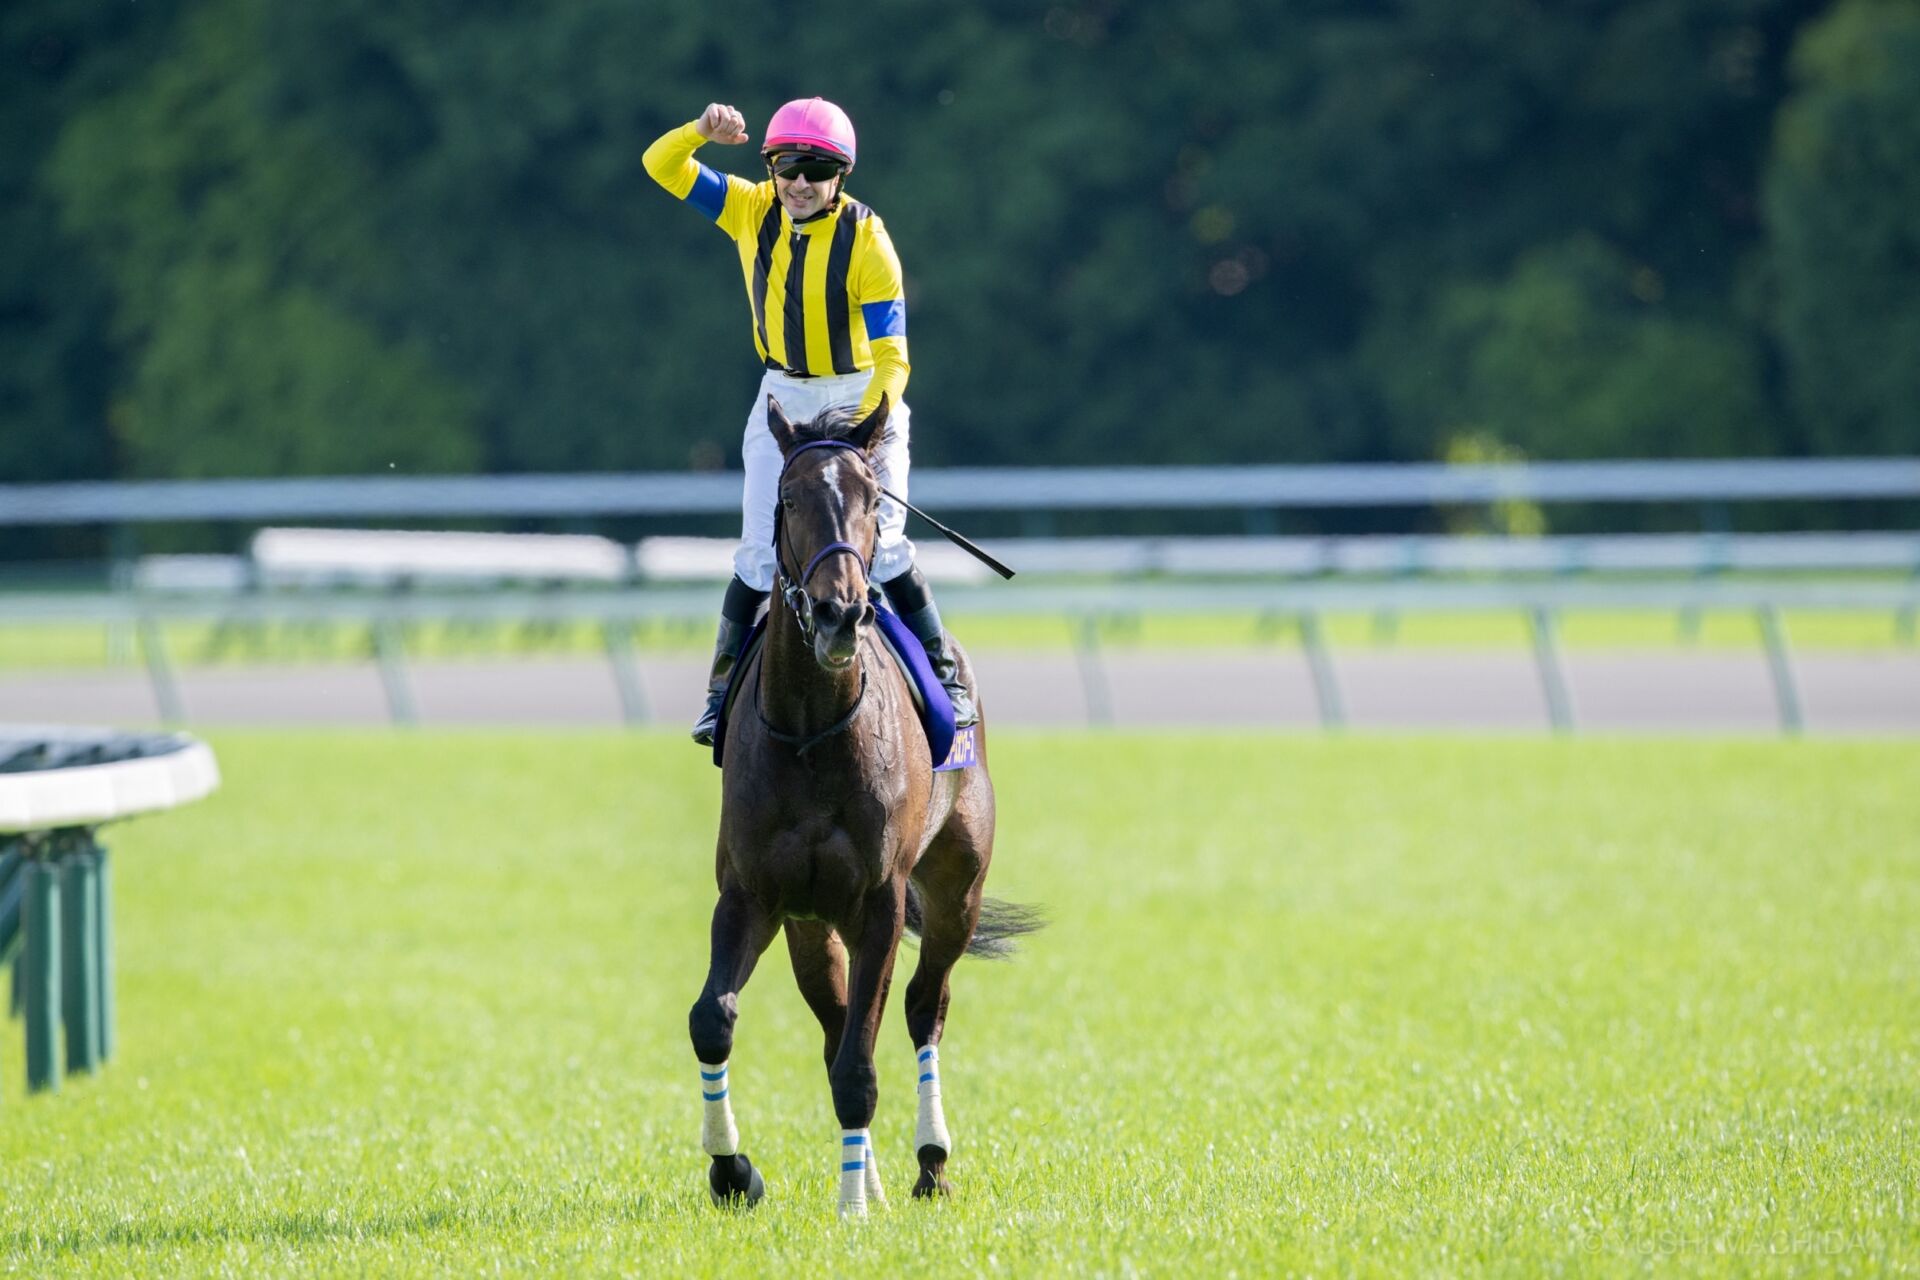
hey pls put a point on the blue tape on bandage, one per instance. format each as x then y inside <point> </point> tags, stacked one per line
<point>713,1097</point>
<point>928,1076</point>
<point>926,1053</point>
<point>721,1074</point>
<point>709,192</point>
<point>851,1165</point>
<point>854,1141</point>
<point>885,319</point>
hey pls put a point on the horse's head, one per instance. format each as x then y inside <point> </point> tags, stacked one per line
<point>827,524</point>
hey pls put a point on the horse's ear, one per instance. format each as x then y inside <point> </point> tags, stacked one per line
<point>872,428</point>
<point>778,425</point>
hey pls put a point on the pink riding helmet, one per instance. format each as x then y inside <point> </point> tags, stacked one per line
<point>810,124</point>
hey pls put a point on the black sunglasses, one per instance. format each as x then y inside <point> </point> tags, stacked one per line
<point>802,165</point>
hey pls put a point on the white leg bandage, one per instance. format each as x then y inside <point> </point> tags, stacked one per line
<point>876,1194</point>
<point>856,1161</point>
<point>931,1129</point>
<point>718,1137</point>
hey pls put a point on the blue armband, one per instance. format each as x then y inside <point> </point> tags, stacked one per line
<point>709,193</point>
<point>885,319</point>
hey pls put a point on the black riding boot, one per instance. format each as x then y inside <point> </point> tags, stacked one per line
<point>736,619</point>
<point>913,601</point>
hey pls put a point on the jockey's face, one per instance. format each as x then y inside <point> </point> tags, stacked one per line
<point>805,181</point>
<point>803,198</point>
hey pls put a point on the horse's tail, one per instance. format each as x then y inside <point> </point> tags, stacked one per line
<point>1000,923</point>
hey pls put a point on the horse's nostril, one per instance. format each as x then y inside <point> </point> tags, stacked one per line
<point>837,617</point>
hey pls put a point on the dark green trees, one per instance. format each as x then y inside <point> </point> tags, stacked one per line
<point>258,237</point>
<point>1843,205</point>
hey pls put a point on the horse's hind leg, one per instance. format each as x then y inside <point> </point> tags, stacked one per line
<point>949,881</point>
<point>741,931</point>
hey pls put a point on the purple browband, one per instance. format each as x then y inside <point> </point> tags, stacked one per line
<point>818,444</point>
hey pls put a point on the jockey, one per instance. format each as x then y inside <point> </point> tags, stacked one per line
<point>830,324</point>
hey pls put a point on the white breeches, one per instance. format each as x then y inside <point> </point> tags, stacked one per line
<point>802,399</point>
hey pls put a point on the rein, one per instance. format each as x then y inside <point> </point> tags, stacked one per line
<point>802,743</point>
<point>794,592</point>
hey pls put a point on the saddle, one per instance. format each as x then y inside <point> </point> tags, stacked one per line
<point>949,748</point>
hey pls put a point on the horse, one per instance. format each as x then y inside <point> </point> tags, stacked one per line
<point>836,828</point>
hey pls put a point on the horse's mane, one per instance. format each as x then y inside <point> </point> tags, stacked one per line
<point>834,424</point>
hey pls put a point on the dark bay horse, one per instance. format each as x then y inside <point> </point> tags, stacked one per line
<point>835,826</point>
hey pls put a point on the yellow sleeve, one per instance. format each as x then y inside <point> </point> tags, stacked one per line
<point>880,290</point>
<point>721,196</point>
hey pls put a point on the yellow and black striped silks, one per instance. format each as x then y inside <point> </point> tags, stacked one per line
<point>826,293</point>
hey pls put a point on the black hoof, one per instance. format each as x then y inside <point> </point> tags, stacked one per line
<point>734,1183</point>
<point>933,1167</point>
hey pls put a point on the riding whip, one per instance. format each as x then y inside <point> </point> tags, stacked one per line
<point>957,539</point>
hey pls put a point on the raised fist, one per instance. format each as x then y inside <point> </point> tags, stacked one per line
<point>721,123</point>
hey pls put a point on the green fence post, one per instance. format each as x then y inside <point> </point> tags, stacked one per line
<point>123,551</point>
<point>166,692</point>
<point>1093,674</point>
<point>390,648</point>
<point>1326,684</point>
<point>1553,679</point>
<point>103,946</point>
<point>40,983</point>
<point>79,953</point>
<point>13,871</point>
<point>13,888</point>
<point>120,642</point>
<point>618,637</point>
<point>1786,692</point>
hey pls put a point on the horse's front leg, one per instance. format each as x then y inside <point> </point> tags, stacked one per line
<point>856,1089</point>
<point>741,931</point>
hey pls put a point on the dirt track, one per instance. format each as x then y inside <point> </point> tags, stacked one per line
<point>1426,689</point>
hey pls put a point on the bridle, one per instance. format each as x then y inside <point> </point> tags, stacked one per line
<point>793,590</point>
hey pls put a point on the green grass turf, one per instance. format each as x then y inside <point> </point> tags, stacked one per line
<point>412,1003</point>
<point>42,646</point>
